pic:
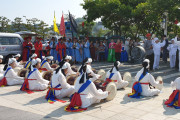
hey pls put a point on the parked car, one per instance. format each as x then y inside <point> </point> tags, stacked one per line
<point>10,44</point>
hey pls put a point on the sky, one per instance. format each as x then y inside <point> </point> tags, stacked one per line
<point>41,9</point>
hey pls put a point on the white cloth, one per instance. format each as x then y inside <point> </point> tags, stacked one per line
<point>47,66</point>
<point>94,76</point>
<point>90,95</point>
<point>172,54</point>
<point>176,83</point>
<point>148,78</point>
<point>13,79</point>
<point>156,61</point>
<point>127,46</point>
<point>70,71</point>
<point>66,90</point>
<point>117,76</point>
<point>178,44</point>
<point>39,83</point>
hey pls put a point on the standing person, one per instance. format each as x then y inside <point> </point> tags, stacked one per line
<point>106,49</point>
<point>27,46</point>
<point>92,50</point>
<point>59,49</point>
<point>53,51</point>
<point>172,53</point>
<point>118,48</point>
<point>127,45</point>
<point>111,54</point>
<point>70,44</point>
<point>124,54</point>
<point>157,51</point>
<point>165,51</point>
<point>96,45</point>
<point>38,47</point>
<point>149,50</point>
<point>1,67</point>
<point>101,52</point>
<point>86,49</point>
<point>81,43</point>
<point>178,43</point>
<point>76,53</point>
<point>64,47</point>
<point>131,45</point>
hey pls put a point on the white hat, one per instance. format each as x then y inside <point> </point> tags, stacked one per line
<point>147,60</point>
<point>43,57</point>
<point>49,58</point>
<point>1,57</point>
<point>155,39</point>
<point>64,66</point>
<point>89,60</point>
<point>118,64</point>
<point>68,57</point>
<point>11,60</point>
<point>34,55</point>
<point>18,55</point>
<point>35,61</point>
<point>172,39</point>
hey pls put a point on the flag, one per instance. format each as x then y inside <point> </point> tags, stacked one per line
<point>62,26</point>
<point>73,23</point>
<point>55,26</point>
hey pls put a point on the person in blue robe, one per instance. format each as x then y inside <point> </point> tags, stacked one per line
<point>53,51</point>
<point>76,54</point>
<point>86,49</point>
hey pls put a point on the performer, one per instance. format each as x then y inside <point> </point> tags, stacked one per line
<point>124,54</point>
<point>111,54</point>
<point>45,66</point>
<point>10,77</point>
<point>28,63</point>
<point>172,48</point>
<point>114,75</point>
<point>174,98</point>
<point>157,50</point>
<point>53,51</point>
<point>38,47</point>
<point>61,49</point>
<point>27,46</point>
<point>34,79</point>
<point>18,64</point>
<point>86,49</point>
<point>177,43</point>
<point>1,67</point>
<point>85,94</point>
<point>59,86</point>
<point>76,53</point>
<point>143,79</point>
<point>1,59</point>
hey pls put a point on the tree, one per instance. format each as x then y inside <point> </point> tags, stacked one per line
<point>4,24</point>
<point>42,29</point>
<point>17,24</point>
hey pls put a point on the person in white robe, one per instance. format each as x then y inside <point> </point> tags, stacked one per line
<point>114,75</point>
<point>172,53</point>
<point>45,66</point>
<point>34,78</point>
<point>146,80</point>
<point>10,76</point>
<point>1,67</point>
<point>18,64</point>
<point>28,63</point>
<point>89,94</point>
<point>157,50</point>
<point>59,81</point>
<point>177,43</point>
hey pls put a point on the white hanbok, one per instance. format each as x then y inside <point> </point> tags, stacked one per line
<point>148,78</point>
<point>90,95</point>
<point>117,76</point>
<point>39,83</point>
<point>12,78</point>
<point>178,43</point>
<point>66,90</point>
<point>47,66</point>
<point>70,71</point>
<point>94,76</point>
<point>172,54</point>
<point>1,71</point>
<point>176,83</point>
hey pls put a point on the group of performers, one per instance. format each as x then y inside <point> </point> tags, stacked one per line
<point>87,88</point>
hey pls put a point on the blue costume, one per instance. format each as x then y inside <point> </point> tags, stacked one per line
<point>76,53</point>
<point>86,50</point>
<point>69,48</point>
<point>124,55</point>
<point>53,51</point>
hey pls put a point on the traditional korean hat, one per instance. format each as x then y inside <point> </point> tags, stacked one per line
<point>11,60</point>
<point>35,61</point>
<point>89,60</point>
<point>68,57</point>
<point>18,55</point>
<point>155,39</point>
<point>49,58</point>
<point>64,66</point>
<point>34,55</point>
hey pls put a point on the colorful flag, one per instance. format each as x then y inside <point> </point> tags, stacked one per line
<point>74,25</point>
<point>55,26</point>
<point>62,26</point>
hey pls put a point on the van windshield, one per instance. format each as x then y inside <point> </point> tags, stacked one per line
<point>10,41</point>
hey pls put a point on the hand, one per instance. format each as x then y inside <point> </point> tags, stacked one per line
<point>77,73</point>
<point>160,82</point>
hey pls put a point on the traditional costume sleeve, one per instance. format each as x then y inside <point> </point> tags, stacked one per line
<point>119,78</point>
<point>163,43</point>
<point>95,76</point>
<point>173,84</point>
<point>77,46</point>
<point>39,78</point>
<point>99,94</point>
<point>62,80</point>
<point>13,75</point>
<point>70,71</point>
<point>152,81</point>
<point>48,67</point>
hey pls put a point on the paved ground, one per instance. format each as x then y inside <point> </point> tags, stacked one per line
<point>18,105</point>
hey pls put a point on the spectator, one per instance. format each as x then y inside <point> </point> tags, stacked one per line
<point>111,54</point>
<point>92,50</point>
<point>106,49</point>
<point>127,45</point>
<point>101,52</point>
<point>96,45</point>
<point>165,51</point>
<point>118,48</point>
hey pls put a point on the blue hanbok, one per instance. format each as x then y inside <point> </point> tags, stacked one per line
<point>86,50</point>
<point>106,51</point>
<point>124,55</point>
<point>69,46</point>
<point>76,53</point>
<point>53,51</point>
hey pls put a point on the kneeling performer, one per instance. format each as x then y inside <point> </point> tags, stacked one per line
<point>45,66</point>
<point>10,77</point>
<point>59,86</point>
<point>85,94</point>
<point>34,79</point>
<point>143,79</point>
<point>114,75</point>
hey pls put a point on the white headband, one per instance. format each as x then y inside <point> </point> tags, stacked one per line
<point>89,60</point>
<point>68,57</point>
<point>35,61</point>
<point>11,60</point>
<point>49,58</point>
<point>155,39</point>
<point>64,66</point>
<point>18,55</point>
<point>34,55</point>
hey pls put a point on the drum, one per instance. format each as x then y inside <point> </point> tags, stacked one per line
<point>127,77</point>
<point>102,73</point>
<point>74,68</point>
<point>23,72</point>
<point>71,79</point>
<point>138,54</point>
<point>110,87</point>
<point>17,69</point>
<point>47,75</point>
<point>159,86</point>
<point>54,65</point>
